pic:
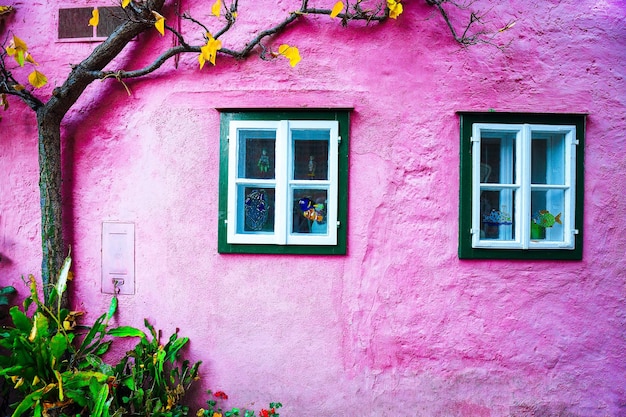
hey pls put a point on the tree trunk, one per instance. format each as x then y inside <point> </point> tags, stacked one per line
<point>54,245</point>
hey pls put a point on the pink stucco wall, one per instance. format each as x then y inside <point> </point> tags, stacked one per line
<point>400,326</point>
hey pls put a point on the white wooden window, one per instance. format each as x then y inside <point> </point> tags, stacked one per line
<point>282,182</point>
<point>523,186</point>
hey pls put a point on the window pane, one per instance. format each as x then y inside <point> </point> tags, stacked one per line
<point>255,209</point>
<point>497,157</point>
<point>110,19</point>
<point>310,153</point>
<point>548,158</point>
<point>257,157</point>
<point>73,23</point>
<point>309,211</point>
<point>547,215</point>
<point>496,215</point>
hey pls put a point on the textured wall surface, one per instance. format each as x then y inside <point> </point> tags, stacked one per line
<point>400,326</point>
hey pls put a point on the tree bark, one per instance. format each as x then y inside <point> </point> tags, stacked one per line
<point>53,242</point>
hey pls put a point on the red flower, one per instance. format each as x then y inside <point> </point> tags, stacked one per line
<point>264,413</point>
<point>221,394</point>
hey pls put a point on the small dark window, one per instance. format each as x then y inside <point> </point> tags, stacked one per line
<point>74,23</point>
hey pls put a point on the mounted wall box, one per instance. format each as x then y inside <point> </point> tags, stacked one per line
<point>118,258</point>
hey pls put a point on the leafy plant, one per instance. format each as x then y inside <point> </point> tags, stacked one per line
<point>214,408</point>
<point>150,381</point>
<point>58,368</point>
<point>56,373</point>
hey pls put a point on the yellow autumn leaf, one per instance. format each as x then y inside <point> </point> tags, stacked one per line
<point>291,53</point>
<point>337,8</point>
<point>3,101</point>
<point>17,49</point>
<point>209,51</point>
<point>125,3</point>
<point>95,17</point>
<point>160,23</point>
<point>395,8</point>
<point>33,331</point>
<point>215,9</point>
<point>29,58</point>
<point>5,10</point>
<point>37,79</point>
<point>18,87</point>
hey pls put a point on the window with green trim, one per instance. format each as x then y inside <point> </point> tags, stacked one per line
<point>283,181</point>
<point>521,186</point>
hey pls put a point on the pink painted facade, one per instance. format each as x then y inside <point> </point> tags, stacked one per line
<point>399,326</point>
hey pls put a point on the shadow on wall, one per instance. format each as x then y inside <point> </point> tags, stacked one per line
<point>542,410</point>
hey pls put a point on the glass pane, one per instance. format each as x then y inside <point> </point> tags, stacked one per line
<point>497,157</point>
<point>548,158</point>
<point>255,209</point>
<point>546,222</point>
<point>256,157</point>
<point>73,23</point>
<point>497,215</point>
<point>310,153</point>
<point>309,211</point>
<point>110,19</point>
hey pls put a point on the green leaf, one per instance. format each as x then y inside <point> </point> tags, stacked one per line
<point>126,331</point>
<point>42,326</point>
<point>97,327</point>
<point>103,348</point>
<point>112,308</point>
<point>7,290</point>
<point>20,320</point>
<point>58,345</point>
<point>28,402</point>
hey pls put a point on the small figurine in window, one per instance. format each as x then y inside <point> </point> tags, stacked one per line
<point>312,166</point>
<point>264,162</point>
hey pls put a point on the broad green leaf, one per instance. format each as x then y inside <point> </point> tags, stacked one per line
<point>129,383</point>
<point>40,327</point>
<point>58,345</point>
<point>95,17</point>
<point>126,331</point>
<point>37,80</point>
<point>20,320</point>
<point>175,347</point>
<point>9,289</point>
<point>112,308</point>
<point>30,400</point>
<point>103,348</point>
<point>337,8</point>
<point>100,400</point>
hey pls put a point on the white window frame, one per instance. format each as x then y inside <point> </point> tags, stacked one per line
<point>283,184</point>
<point>523,187</point>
